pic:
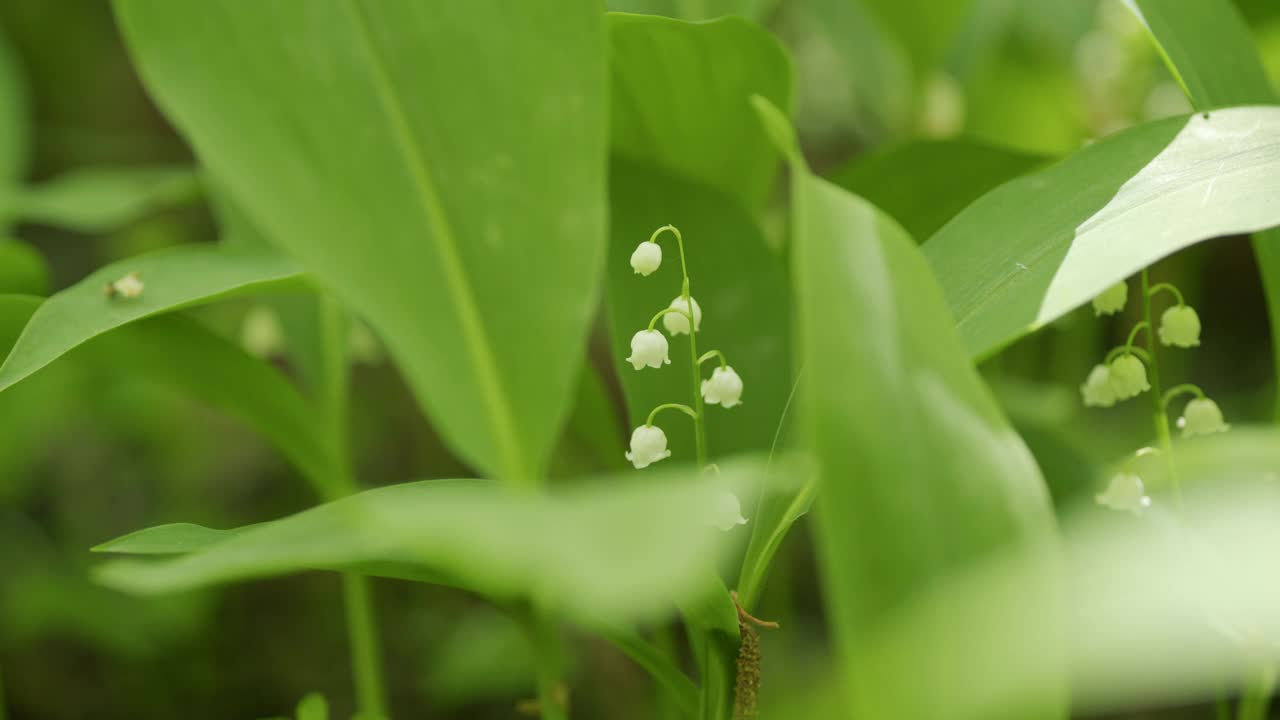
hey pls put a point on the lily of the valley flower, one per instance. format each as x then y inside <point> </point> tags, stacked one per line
<point>677,323</point>
<point>1128,377</point>
<point>646,258</point>
<point>1202,416</point>
<point>1097,389</point>
<point>649,347</point>
<point>1180,327</point>
<point>724,388</point>
<point>1112,300</point>
<point>1125,493</point>
<point>726,511</point>
<point>648,446</point>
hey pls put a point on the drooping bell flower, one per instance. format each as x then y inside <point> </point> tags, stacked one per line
<point>648,446</point>
<point>1097,390</point>
<point>678,323</point>
<point>1128,377</point>
<point>1180,327</point>
<point>1125,493</point>
<point>1202,416</point>
<point>723,388</point>
<point>646,258</point>
<point>649,348</point>
<point>1112,300</point>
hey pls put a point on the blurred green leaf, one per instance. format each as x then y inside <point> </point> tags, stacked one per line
<point>15,122</point>
<point>101,199</point>
<point>174,278</point>
<point>677,107</point>
<point>926,28</point>
<point>1033,249</point>
<point>615,551</point>
<point>481,655</point>
<point>694,9</point>
<point>919,472</point>
<point>313,707</point>
<point>425,191</point>
<point>22,269</point>
<point>173,539</point>
<point>924,184</point>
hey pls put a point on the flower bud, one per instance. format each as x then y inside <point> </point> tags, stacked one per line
<point>1128,377</point>
<point>649,347</point>
<point>1112,300</point>
<point>726,511</point>
<point>1097,390</point>
<point>1180,327</point>
<point>724,388</point>
<point>646,258</point>
<point>648,446</point>
<point>1202,416</point>
<point>678,323</point>
<point>1125,493</point>
<point>128,287</point>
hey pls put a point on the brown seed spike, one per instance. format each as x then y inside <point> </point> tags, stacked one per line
<point>746,697</point>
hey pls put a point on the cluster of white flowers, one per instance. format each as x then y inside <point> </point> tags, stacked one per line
<point>651,349</point>
<point>1124,375</point>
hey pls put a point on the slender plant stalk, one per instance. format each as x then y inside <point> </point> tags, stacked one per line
<point>362,626</point>
<point>1160,418</point>
<point>1257,696</point>
<point>547,650</point>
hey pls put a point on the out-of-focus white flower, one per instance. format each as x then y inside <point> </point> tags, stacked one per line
<point>1202,416</point>
<point>678,323</point>
<point>646,258</point>
<point>260,332</point>
<point>726,511</point>
<point>649,347</point>
<point>1128,377</point>
<point>130,286</point>
<point>1097,390</point>
<point>648,446</point>
<point>723,388</point>
<point>1112,300</point>
<point>1125,493</point>
<point>1180,327</point>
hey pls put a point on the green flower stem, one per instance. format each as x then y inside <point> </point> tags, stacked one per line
<point>671,406</point>
<point>667,311</point>
<point>1257,696</point>
<point>548,651</point>
<point>1183,389</point>
<point>712,354</point>
<point>1169,288</point>
<point>1133,334</point>
<point>334,400</point>
<point>699,418</point>
<point>1159,417</point>
<point>1126,350</point>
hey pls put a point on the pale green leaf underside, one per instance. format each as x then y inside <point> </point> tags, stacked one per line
<point>174,278</point>
<point>172,539</point>
<point>1039,246</point>
<point>612,552</point>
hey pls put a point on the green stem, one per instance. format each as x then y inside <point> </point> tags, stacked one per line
<point>362,628</point>
<point>1133,334</point>
<point>667,311</point>
<point>1257,696</point>
<point>1127,350</point>
<point>712,354</point>
<point>1183,389</point>
<point>1159,417</point>
<point>670,406</point>
<point>546,647</point>
<point>1167,287</point>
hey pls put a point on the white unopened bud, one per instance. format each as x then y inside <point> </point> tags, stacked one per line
<point>723,388</point>
<point>1180,327</point>
<point>130,286</point>
<point>648,446</point>
<point>678,323</point>
<point>1125,493</point>
<point>1097,390</point>
<point>649,347</point>
<point>1202,416</point>
<point>726,511</point>
<point>1112,300</point>
<point>646,258</point>
<point>1128,377</point>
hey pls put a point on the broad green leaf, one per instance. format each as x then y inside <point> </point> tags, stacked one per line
<point>98,200</point>
<point>15,123</point>
<point>615,551</point>
<point>22,269</point>
<point>920,474</point>
<point>1209,49</point>
<point>677,106</point>
<point>425,191</point>
<point>173,539</point>
<point>924,184</point>
<point>1033,249</point>
<point>174,278</point>
<point>694,9</point>
<point>15,313</point>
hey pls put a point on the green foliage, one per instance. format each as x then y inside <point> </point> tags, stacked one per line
<point>15,122</point>
<point>101,199</point>
<point>22,270</point>
<point>426,217</point>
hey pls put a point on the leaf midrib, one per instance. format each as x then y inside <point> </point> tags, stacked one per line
<point>500,414</point>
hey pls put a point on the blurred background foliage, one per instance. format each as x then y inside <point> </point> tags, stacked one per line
<point>89,453</point>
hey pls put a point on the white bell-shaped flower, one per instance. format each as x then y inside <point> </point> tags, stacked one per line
<point>1112,300</point>
<point>648,446</point>
<point>130,286</point>
<point>1202,416</point>
<point>726,511</point>
<point>1128,377</point>
<point>1125,493</point>
<point>678,323</point>
<point>649,347</point>
<point>723,388</point>
<point>646,258</point>
<point>1180,327</point>
<point>1097,390</point>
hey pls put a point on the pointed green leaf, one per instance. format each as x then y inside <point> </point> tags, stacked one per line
<point>173,539</point>
<point>613,551</point>
<point>174,278</point>
<point>427,192</point>
<point>102,199</point>
<point>1033,249</point>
